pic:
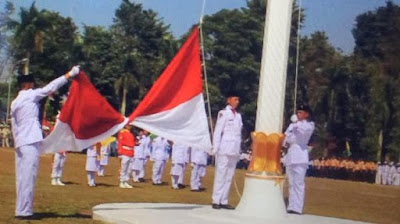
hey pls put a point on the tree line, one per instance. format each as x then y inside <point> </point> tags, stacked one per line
<point>355,98</point>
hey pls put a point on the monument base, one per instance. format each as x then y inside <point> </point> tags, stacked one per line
<point>160,213</point>
<point>262,197</point>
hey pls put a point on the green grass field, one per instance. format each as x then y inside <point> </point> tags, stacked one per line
<point>73,203</point>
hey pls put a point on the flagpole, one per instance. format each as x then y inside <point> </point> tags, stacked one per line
<point>204,67</point>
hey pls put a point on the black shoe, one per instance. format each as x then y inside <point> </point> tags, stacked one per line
<point>216,206</point>
<point>202,189</point>
<point>227,207</point>
<point>28,217</point>
<point>293,212</point>
<point>181,186</point>
<point>141,180</point>
<point>195,190</point>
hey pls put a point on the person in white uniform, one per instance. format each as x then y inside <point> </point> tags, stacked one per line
<point>147,153</point>
<point>392,173</point>
<point>104,153</point>
<point>140,157</point>
<point>378,176</point>
<point>396,179</point>
<point>58,166</point>
<point>298,135</point>
<point>199,163</point>
<point>160,155</point>
<point>27,135</point>
<point>92,163</point>
<point>179,158</point>
<point>385,173</point>
<point>226,146</point>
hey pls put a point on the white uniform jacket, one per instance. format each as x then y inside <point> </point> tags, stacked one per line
<point>228,133</point>
<point>25,122</point>
<point>297,136</point>
<point>179,153</point>
<point>199,156</point>
<point>159,145</point>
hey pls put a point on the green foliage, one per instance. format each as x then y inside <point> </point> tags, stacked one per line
<point>378,44</point>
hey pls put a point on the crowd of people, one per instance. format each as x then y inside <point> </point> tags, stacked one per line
<point>347,169</point>
<point>134,154</point>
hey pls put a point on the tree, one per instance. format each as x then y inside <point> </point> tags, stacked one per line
<point>144,46</point>
<point>47,40</point>
<point>5,19</point>
<point>377,43</point>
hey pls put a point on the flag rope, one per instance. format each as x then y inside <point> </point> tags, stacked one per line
<point>297,56</point>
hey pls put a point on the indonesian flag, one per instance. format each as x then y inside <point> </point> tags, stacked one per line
<point>85,119</point>
<point>174,107</point>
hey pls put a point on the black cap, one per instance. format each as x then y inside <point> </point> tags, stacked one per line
<point>25,78</point>
<point>304,107</point>
<point>232,94</point>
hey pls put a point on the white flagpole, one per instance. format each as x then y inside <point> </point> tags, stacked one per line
<point>205,68</point>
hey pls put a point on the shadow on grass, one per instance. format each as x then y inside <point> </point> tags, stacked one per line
<point>105,185</point>
<point>52,215</point>
<point>70,183</point>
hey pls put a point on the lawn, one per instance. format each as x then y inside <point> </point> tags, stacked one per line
<point>73,203</point>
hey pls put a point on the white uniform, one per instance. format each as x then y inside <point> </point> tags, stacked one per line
<point>160,155</point>
<point>27,141</point>
<point>226,147</point>
<point>92,165</point>
<point>199,161</point>
<point>385,173</point>
<point>139,158</point>
<point>378,176</point>
<point>5,140</point>
<point>58,165</point>
<point>297,136</point>
<point>179,160</point>
<point>104,153</point>
<point>396,179</point>
<point>392,174</point>
<point>147,150</point>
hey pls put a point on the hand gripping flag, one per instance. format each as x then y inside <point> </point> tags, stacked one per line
<point>85,119</point>
<point>174,107</point>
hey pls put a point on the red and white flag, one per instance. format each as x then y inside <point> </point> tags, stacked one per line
<point>174,107</point>
<point>85,118</point>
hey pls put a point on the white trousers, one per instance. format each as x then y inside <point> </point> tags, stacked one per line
<point>126,163</point>
<point>384,178</point>
<point>225,166</point>
<point>27,164</point>
<point>90,177</point>
<point>158,169</point>
<point>58,165</point>
<point>137,169</point>
<point>198,171</point>
<point>378,178</point>
<point>5,142</point>
<point>101,170</point>
<point>177,171</point>
<point>396,179</point>
<point>296,174</point>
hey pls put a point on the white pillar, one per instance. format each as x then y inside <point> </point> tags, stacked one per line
<point>262,195</point>
<point>271,93</point>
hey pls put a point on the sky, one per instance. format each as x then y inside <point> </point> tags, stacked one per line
<point>335,17</point>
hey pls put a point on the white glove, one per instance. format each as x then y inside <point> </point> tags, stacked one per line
<point>293,118</point>
<point>74,71</point>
